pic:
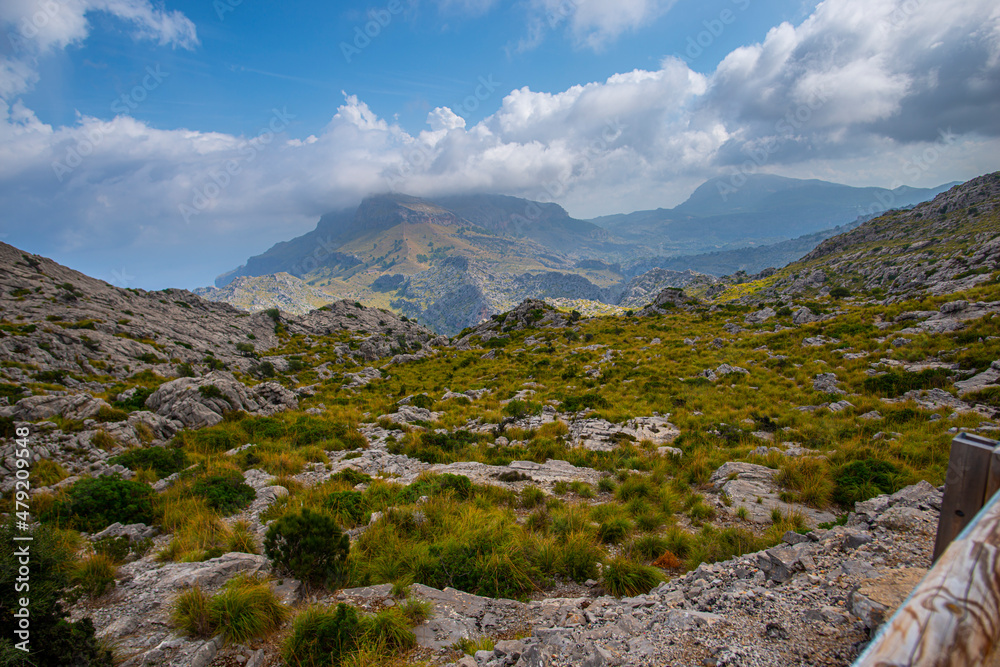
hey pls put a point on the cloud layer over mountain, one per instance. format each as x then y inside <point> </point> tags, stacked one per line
<point>862,92</point>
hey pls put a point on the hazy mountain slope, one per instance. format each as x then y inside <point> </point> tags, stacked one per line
<point>948,244</point>
<point>765,208</point>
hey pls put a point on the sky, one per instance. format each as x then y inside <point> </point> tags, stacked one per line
<point>159,144</point>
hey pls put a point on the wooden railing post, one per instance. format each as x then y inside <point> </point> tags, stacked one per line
<point>973,470</point>
<point>952,618</point>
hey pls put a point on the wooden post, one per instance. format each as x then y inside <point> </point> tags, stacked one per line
<point>969,475</point>
<point>993,483</point>
<point>952,619</point>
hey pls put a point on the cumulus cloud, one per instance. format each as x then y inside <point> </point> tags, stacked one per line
<point>907,98</point>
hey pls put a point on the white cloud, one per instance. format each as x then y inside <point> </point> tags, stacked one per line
<point>842,96</point>
<point>41,26</point>
<point>590,23</point>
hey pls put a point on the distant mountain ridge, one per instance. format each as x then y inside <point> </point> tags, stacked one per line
<point>719,216</point>
<point>452,261</point>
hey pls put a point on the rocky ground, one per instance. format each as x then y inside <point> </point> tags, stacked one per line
<point>814,600</point>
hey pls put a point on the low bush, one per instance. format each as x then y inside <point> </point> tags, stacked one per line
<point>95,503</point>
<point>245,608</point>
<point>896,383</point>
<point>623,577</point>
<point>349,508</point>
<point>352,477</point>
<point>585,401</point>
<point>864,479</point>
<point>95,575</point>
<point>226,494</point>
<point>422,401</point>
<point>309,545</point>
<point>321,637</point>
<point>164,460</point>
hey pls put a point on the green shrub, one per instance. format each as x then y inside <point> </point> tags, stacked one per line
<point>225,493</point>
<point>349,508</point>
<point>54,639</point>
<point>614,530</point>
<point>590,400</point>
<point>840,292</point>
<point>119,548</point>
<point>459,485</point>
<point>864,479</point>
<point>623,577</point>
<point>165,461</point>
<point>386,630</point>
<point>310,546</point>
<point>422,401</point>
<point>321,637</point>
<point>211,391</point>
<point>578,557</point>
<point>263,427</point>
<point>894,384</point>
<point>519,409</point>
<point>309,430</point>
<point>243,609</point>
<point>352,476</point>
<point>95,503</point>
<point>137,401</point>
<point>95,575</point>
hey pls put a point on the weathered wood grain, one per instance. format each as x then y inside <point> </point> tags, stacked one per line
<point>952,619</point>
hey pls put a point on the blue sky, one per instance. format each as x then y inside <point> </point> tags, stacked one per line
<point>156,144</point>
<point>254,56</point>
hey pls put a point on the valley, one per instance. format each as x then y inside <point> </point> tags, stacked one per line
<point>730,470</point>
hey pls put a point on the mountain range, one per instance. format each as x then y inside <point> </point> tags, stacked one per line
<point>453,261</point>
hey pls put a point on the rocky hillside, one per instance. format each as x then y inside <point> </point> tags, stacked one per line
<point>943,246</point>
<point>280,290</point>
<point>744,473</point>
<point>62,328</point>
